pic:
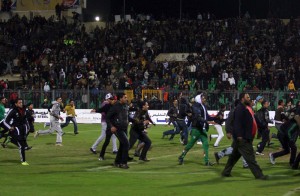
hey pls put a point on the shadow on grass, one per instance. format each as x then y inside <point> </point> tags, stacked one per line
<point>12,161</point>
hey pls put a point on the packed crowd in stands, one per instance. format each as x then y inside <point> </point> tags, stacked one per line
<point>51,54</point>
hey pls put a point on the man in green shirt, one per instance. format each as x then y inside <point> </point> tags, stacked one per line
<point>2,113</point>
<point>2,108</point>
<point>258,104</point>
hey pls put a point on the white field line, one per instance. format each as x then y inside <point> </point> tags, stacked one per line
<point>295,191</point>
<point>154,158</point>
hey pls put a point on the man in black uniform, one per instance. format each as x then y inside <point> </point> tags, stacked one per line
<point>117,120</point>
<point>262,119</point>
<point>172,113</point>
<point>139,121</point>
<point>242,136</point>
<point>287,135</point>
<point>17,124</point>
<point>183,111</point>
<point>30,117</point>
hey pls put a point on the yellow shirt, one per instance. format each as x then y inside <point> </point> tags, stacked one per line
<point>291,86</point>
<point>258,66</point>
<point>70,110</point>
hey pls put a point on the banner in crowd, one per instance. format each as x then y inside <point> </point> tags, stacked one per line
<point>85,116</point>
<point>161,117</point>
<point>26,5</point>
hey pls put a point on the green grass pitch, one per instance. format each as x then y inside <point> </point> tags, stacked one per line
<point>73,170</point>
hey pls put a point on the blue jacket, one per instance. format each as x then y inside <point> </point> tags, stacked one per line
<point>200,117</point>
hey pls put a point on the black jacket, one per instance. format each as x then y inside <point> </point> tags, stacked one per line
<point>198,117</point>
<point>16,118</point>
<point>218,119</point>
<point>262,118</point>
<point>139,118</point>
<point>117,116</point>
<point>243,123</point>
<point>30,115</point>
<point>172,113</point>
<point>230,121</point>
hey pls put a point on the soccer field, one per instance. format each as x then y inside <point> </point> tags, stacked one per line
<point>73,170</point>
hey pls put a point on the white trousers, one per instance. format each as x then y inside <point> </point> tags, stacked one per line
<point>220,134</point>
<point>54,126</point>
<point>102,137</point>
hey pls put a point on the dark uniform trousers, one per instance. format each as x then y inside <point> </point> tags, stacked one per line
<point>106,142</point>
<point>139,134</point>
<point>243,148</point>
<point>122,154</point>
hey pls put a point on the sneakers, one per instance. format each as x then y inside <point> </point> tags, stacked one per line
<point>123,166</point>
<point>3,145</point>
<point>144,159</point>
<point>115,152</point>
<point>199,143</point>
<point>163,136</point>
<point>259,153</point>
<point>217,157</point>
<point>129,159</point>
<point>263,177</point>
<point>272,159</point>
<point>36,134</point>
<point>24,163</point>
<point>245,166</point>
<point>226,175</point>
<point>180,160</point>
<point>136,154</point>
<point>101,158</point>
<point>93,151</point>
<point>181,140</point>
<point>28,147</point>
<point>58,144</point>
<point>116,164</point>
<point>209,164</point>
<point>75,133</point>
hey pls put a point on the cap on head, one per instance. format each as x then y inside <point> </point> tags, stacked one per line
<point>259,97</point>
<point>109,96</point>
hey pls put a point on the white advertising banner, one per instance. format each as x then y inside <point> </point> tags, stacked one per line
<point>85,116</point>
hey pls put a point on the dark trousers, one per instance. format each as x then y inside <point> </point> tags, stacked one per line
<point>296,162</point>
<point>265,136</point>
<point>174,131</point>
<point>143,137</point>
<point>288,146</point>
<point>19,139</point>
<point>73,119</point>
<point>22,144</point>
<point>106,142</point>
<point>184,130</point>
<point>122,154</point>
<point>242,148</point>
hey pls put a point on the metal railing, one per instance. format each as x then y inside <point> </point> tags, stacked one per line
<point>85,98</point>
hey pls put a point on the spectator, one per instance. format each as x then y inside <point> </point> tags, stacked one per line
<point>291,86</point>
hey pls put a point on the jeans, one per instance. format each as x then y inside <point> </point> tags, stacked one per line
<point>68,119</point>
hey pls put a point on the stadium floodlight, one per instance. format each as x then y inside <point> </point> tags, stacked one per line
<point>97,18</point>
